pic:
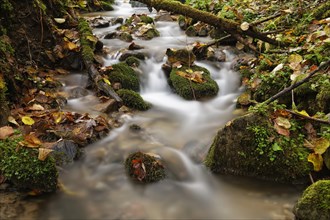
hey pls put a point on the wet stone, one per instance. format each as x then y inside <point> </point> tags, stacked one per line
<point>65,152</point>
<point>77,92</point>
<point>107,106</point>
<point>138,55</point>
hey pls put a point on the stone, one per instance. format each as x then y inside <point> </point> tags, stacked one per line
<point>245,147</point>
<point>107,106</point>
<point>77,92</point>
<point>65,152</point>
<point>314,204</point>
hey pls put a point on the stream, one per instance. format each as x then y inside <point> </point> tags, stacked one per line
<point>178,130</point>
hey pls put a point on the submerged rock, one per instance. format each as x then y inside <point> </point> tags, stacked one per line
<point>314,204</point>
<point>250,146</point>
<point>65,152</point>
<point>144,167</point>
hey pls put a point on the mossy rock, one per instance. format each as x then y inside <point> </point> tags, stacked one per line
<point>314,203</point>
<point>146,19</point>
<point>132,61</point>
<point>125,75</point>
<point>250,146</point>
<point>314,95</point>
<point>144,168</point>
<point>133,100</point>
<point>193,90</point>
<point>22,167</point>
<point>184,56</point>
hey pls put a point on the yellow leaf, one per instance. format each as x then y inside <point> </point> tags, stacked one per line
<point>43,153</point>
<point>31,140</point>
<point>91,38</point>
<point>295,58</point>
<point>70,46</point>
<point>27,120</point>
<point>107,81</point>
<point>320,145</point>
<point>58,117</point>
<point>316,160</point>
<point>303,112</point>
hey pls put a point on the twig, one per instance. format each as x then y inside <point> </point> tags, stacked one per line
<point>308,117</point>
<point>278,14</point>
<point>295,85</point>
<point>274,31</point>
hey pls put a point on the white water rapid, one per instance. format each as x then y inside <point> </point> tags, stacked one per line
<point>180,132</point>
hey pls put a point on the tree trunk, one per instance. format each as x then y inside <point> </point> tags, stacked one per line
<point>226,25</point>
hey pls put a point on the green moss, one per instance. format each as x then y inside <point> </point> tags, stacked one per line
<point>315,202</point>
<point>132,61</point>
<point>125,75</point>
<point>22,167</point>
<point>260,151</point>
<point>153,169</point>
<point>133,100</point>
<point>146,19</point>
<point>313,96</point>
<point>190,90</point>
<point>86,40</point>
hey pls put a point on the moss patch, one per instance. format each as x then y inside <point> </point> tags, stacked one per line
<point>315,202</point>
<point>125,75</point>
<point>193,90</point>
<point>22,167</point>
<point>133,100</point>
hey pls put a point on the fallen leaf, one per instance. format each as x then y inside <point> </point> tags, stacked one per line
<point>36,107</point>
<point>27,120</point>
<point>326,158</point>
<point>316,160</point>
<point>320,145</point>
<point>5,132</point>
<point>281,130</point>
<point>283,122</point>
<point>59,20</point>
<point>43,153</point>
<point>31,140</point>
<point>12,120</point>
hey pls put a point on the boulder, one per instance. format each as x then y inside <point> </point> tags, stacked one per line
<point>65,152</point>
<point>314,204</point>
<point>250,146</point>
<point>193,83</point>
<point>183,56</point>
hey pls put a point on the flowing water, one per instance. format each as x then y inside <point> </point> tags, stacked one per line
<point>180,132</point>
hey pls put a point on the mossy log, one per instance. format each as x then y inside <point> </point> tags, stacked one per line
<point>226,25</point>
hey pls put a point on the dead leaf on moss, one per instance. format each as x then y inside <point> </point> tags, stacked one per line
<point>43,153</point>
<point>281,130</point>
<point>6,132</point>
<point>316,160</point>
<point>31,140</point>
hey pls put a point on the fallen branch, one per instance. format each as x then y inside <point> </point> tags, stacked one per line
<point>308,117</point>
<point>226,25</point>
<point>295,85</point>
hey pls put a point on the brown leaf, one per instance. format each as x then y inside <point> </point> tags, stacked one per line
<point>31,140</point>
<point>43,153</point>
<point>5,132</point>
<point>311,132</point>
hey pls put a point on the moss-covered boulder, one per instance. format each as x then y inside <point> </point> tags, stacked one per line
<point>193,83</point>
<point>314,203</point>
<point>133,100</point>
<point>132,61</point>
<point>314,95</point>
<point>250,146</point>
<point>125,75</point>
<point>144,167</point>
<point>21,166</point>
